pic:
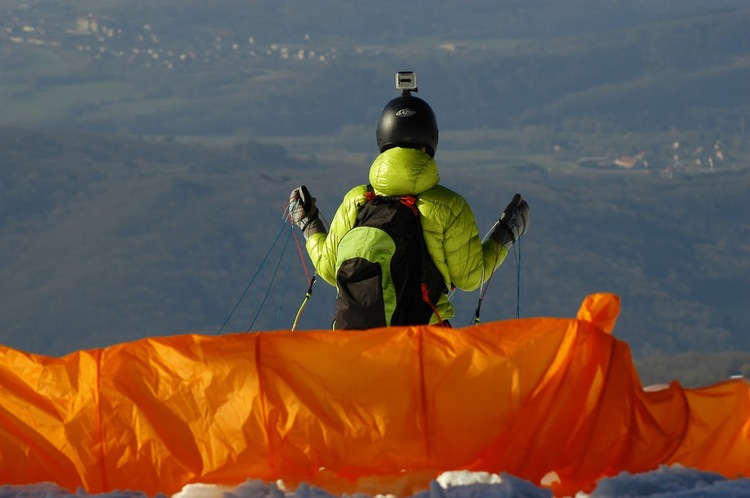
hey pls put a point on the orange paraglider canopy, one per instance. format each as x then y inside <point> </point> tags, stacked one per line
<point>556,401</point>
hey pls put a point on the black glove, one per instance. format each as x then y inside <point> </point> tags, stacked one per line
<point>513,223</point>
<point>303,212</point>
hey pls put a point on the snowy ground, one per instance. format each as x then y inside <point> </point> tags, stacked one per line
<point>672,481</point>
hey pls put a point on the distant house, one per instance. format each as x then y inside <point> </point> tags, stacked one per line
<point>91,24</point>
<point>87,25</point>
<point>632,162</point>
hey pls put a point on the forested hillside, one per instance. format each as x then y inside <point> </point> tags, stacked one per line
<point>284,68</point>
<point>116,239</point>
<point>147,150</point>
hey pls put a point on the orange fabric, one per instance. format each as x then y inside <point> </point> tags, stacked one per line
<point>553,400</point>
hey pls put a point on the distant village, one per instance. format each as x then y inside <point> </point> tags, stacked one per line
<point>683,161</point>
<point>103,39</point>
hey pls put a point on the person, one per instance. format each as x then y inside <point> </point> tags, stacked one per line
<point>407,138</point>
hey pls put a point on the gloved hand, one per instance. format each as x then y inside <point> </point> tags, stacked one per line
<point>513,223</point>
<point>303,211</point>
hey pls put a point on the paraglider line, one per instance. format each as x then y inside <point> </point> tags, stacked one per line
<point>485,284</point>
<point>302,257</point>
<point>273,277</point>
<point>252,280</point>
<point>310,280</point>
<point>283,283</point>
<point>308,294</point>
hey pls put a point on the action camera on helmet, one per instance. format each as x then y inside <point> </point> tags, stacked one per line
<point>407,121</point>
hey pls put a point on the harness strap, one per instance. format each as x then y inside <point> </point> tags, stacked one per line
<point>426,299</point>
<point>409,201</point>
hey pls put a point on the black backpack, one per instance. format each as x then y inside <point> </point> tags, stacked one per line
<point>384,273</point>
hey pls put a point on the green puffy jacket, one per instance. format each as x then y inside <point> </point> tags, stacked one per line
<point>450,230</point>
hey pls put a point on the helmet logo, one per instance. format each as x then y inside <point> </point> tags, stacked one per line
<point>405,113</point>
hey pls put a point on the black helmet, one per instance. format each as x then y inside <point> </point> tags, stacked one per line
<point>407,121</point>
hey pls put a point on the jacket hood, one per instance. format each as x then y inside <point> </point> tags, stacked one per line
<point>402,171</point>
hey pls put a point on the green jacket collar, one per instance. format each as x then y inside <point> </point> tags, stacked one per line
<point>401,171</point>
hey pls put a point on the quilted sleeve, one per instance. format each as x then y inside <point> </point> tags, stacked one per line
<point>322,247</point>
<point>453,240</point>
